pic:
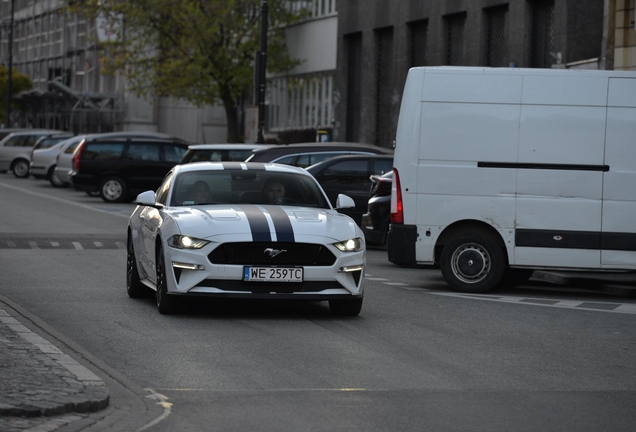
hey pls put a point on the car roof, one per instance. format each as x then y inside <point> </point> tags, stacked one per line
<point>289,149</point>
<point>132,135</point>
<point>227,146</point>
<point>219,166</point>
<point>336,159</point>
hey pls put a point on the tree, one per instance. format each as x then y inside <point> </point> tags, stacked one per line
<point>198,50</point>
<point>19,83</point>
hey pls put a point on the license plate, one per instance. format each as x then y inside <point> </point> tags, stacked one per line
<point>273,274</point>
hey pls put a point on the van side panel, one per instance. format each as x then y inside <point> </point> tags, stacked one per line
<point>619,183</point>
<point>567,199</point>
<point>459,115</point>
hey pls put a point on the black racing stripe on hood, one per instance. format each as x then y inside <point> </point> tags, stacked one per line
<point>282,224</point>
<point>258,223</point>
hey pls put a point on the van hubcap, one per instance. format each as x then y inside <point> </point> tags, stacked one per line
<point>470,263</point>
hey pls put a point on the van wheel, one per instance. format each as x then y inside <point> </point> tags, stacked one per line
<point>473,263</point>
<point>113,190</point>
<point>20,168</point>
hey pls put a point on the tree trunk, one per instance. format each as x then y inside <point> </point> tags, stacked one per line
<point>230,113</point>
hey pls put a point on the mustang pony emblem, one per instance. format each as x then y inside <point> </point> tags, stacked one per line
<point>273,252</point>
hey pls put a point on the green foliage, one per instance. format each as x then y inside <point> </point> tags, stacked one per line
<point>19,83</point>
<point>199,50</point>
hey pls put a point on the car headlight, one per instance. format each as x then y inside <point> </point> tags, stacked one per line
<point>351,245</point>
<point>186,242</point>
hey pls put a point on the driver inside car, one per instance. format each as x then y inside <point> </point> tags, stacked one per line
<point>201,193</point>
<point>274,190</point>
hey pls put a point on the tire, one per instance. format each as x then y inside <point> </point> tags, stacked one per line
<point>473,263</point>
<point>113,190</point>
<point>345,307</point>
<point>134,287</point>
<point>20,168</point>
<point>513,277</point>
<point>54,179</point>
<point>165,304</point>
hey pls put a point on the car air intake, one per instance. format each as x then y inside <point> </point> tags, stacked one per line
<point>256,253</point>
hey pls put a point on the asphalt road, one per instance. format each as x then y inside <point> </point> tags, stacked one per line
<point>419,357</point>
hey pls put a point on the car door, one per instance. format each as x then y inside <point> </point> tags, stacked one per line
<point>144,167</point>
<point>349,177</point>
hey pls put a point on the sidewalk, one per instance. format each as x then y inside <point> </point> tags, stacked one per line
<point>37,379</point>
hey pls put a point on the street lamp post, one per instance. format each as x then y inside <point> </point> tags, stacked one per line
<point>10,71</point>
<point>261,67</point>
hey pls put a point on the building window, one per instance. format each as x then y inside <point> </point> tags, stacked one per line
<point>383,86</point>
<point>497,36</point>
<point>418,32</point>
<point>455,41</point>
<point>315,8</point>
<point>542,33</point>
<point>300,102</point>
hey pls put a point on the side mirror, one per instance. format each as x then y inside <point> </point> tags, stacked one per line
<point>147,199</point>
<point>344,202</point>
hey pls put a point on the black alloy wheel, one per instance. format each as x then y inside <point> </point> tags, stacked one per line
<point>347,307</point>
<point>165,304</point>
<point>134,287</point>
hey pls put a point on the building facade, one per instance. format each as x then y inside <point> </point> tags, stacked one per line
<point>301,101</point>
<point>378,41</point>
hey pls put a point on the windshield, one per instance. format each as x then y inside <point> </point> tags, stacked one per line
<point>246,187</point>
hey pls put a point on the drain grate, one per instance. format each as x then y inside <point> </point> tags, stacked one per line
<point>91,242</point>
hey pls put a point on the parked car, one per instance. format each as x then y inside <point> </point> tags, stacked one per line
<point>191,239</point>
<point>119,166</point>
<point>64,162</point>
<point>350,175</point>
<point>307,154</point>
<point>219,152</point>
<point>375,222</point>
<point>15,150</point>
<point>7,131</point>
<point>44,154</point>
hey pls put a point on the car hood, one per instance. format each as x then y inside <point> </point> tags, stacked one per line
<point>246,222</point>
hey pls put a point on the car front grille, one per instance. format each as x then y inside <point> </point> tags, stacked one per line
<point>256,253</point>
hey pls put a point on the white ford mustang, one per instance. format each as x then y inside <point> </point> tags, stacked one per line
<point>244,230</point>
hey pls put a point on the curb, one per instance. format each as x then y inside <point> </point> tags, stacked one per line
<point>620,284</point>
<point>38,379</point>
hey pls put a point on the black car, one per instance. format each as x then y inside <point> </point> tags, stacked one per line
<point>350,175</point>
<point>120,166</point>
<point>307,154</point>
<point>375,222</point>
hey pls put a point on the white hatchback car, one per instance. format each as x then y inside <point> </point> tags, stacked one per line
<point>15,150</point>
<point>44,155</point>
<point>217,230</point>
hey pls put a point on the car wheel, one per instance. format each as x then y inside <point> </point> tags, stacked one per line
<point>113,190</point>
<point>134,287</point>
<point>20,168</point>
<point>473,263</point>
<point>165,304</point>
<point>54,179</point>
<point>350,307</point>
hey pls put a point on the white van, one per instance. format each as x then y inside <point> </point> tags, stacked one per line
<point>501,171</point>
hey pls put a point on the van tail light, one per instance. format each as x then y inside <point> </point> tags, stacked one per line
<point>77,155</point>
<point>397,211</point>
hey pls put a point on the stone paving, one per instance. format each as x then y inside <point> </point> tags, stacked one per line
<point>41,388</point>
